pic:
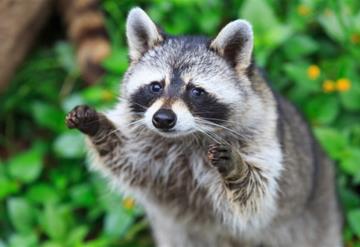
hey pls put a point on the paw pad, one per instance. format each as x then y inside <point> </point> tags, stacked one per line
<point>83,118</point>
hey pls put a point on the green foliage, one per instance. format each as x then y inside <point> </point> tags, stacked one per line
<point>48,198</point>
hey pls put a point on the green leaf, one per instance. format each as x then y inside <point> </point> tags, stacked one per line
<point>351,99</point>
<point>300,45</point>
<point>334,142</point>
<point>209,21</point>
<point>349,199</point>
<point>7,186</point>
<point>26,240</point>
<point>117,62</point>
<point>322,109</point>
<point>350,162</point>
<point>65,55</point>
<point>83,195</point>
<point>27,166</point>
<point>21,214</point>
<point>100,242</point>
<point>2,244</point>
<point>117,222</point>
<point>48,116</point>
<point>77,236</point>
<point>52,244</point>
<point>69,145</point>
<point>53,222</point>
<point>353,218</point>
<point>269,32</point>
<point>252,9</point>
<point>332,26</point>
<point>298,73</point>
<point>42,193</point>
<point>96,95</point>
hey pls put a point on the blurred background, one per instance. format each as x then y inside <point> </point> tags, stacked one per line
<point>310,50</point>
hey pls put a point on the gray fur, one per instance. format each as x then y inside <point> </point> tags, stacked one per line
<point>257,179</point>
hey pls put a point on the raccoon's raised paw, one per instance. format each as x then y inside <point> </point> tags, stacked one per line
<point>83,118</point>
<point>219,156</point>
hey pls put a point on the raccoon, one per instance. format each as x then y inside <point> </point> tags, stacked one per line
<point>215,157</point>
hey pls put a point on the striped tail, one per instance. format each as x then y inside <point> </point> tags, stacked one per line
<point>86,29</point>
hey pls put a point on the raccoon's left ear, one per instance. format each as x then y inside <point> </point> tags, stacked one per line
<point>142,33</point>
<point>235,44</point>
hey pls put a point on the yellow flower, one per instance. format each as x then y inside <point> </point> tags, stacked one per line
<point>128,203</point>
<point>355,38</point>
<point>328,86</point>
<point>313,72</point>
<point>303,10</point>
<point>343,84</point>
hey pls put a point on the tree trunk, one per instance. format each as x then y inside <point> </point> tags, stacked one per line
<point>20,22</point>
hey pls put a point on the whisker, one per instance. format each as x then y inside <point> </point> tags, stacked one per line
<point>213,134</point>
<point>219,126</point>
<point>222,140</point>
<point>221,120</point>
<point>127,100</point>
<point>206,133</point>
<point>134,124</point>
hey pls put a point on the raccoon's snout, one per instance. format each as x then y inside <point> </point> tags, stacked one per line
<point>164,119</point>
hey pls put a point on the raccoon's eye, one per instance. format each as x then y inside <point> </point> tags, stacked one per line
<point>155,87</point>
<point>197,92</point>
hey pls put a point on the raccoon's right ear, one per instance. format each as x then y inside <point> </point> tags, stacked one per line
<point>142,33</point>
<point>235,44</point>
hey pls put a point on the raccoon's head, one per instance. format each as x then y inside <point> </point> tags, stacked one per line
<point>180,85</point>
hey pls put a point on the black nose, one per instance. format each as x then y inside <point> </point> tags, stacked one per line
<point>164,119</point>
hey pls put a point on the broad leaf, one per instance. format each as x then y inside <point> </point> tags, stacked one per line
<point>21,214</point>
<point>27,166</point>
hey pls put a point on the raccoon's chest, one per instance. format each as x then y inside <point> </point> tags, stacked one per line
<point>166,176</point>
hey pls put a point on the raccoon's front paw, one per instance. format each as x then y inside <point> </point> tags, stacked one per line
<point>219,156</point>
<point>84,118</point>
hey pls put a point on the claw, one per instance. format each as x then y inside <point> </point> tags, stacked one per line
<point>83,118</point>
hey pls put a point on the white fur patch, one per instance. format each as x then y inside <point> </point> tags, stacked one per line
<point>185,121</point>
<point>143,75</point>
<point>215,85</point>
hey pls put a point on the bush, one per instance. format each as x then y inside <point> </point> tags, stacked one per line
<point>310,50</point>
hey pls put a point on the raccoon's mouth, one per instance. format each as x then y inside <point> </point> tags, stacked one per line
<point>172,133</point>
<point>168,131</point>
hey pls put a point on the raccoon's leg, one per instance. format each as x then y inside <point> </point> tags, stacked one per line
<point>250,194</point>
<point>104,137</point>
<point>245,181</point>
<point>233,168</point>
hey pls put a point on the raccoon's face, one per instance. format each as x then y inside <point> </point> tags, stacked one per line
<point>180,85</point>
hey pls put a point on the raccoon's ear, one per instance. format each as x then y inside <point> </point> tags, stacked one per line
<point>142,33</point>
<point>235,44</point>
